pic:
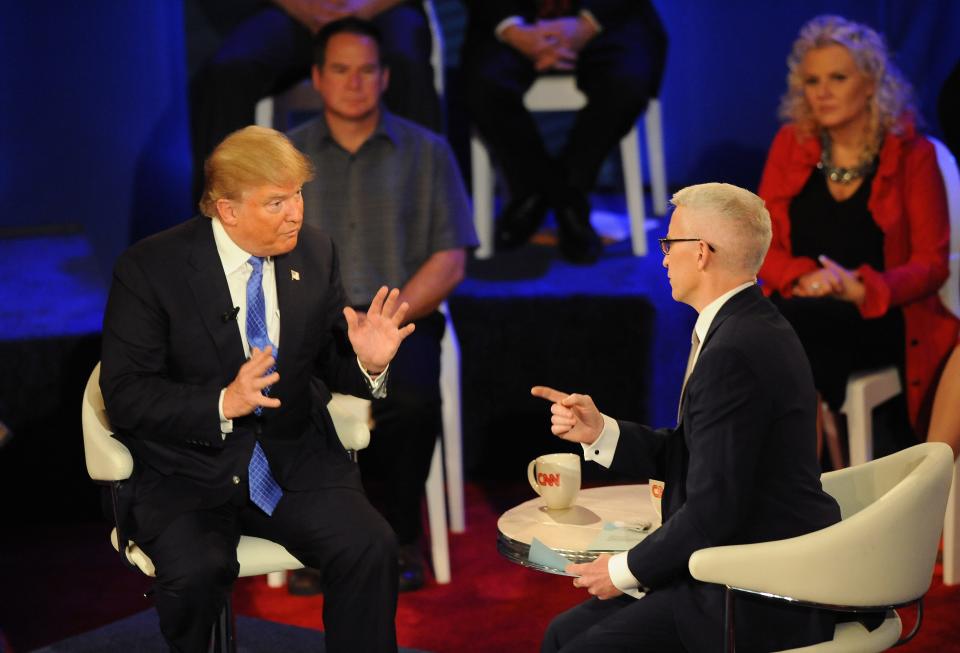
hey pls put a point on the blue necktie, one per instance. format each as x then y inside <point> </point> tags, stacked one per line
<point>264,490</point>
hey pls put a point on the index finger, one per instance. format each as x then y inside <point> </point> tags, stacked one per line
<point>549,394</point>
<point>575,569</point>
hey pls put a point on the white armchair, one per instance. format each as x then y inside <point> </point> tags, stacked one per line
<point>109,461</point>
<point>879,557</point>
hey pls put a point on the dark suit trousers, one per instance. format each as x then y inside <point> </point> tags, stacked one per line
<point>334,530</point>
<point>270,51</point>
<point>396,464</point>
<point>618,71</point>
<point>620,624</point>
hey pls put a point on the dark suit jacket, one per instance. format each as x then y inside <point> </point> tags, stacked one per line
<point>168,350</point>
<point>487,14</point>
<point>741,467</point>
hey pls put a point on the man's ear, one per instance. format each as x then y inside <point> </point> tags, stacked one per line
<point>226,212</point>
<point>315,77</point>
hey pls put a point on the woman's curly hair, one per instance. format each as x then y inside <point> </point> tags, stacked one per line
<point>892,97</point>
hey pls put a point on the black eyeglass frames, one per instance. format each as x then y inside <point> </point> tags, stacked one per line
<point>665,243</point>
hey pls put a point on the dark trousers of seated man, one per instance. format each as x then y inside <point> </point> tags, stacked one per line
<point>406,425</point>
<point>334,530</point>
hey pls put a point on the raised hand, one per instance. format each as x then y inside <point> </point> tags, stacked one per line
<point>594,577</point>
<point>245,392</point>
<point>376,335</point>
<point>573,417</point>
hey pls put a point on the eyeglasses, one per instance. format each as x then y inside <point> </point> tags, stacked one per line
<point>665,243</point>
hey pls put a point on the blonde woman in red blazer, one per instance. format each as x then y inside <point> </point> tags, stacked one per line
<point>849,129</point>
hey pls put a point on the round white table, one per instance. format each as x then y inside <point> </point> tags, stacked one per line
<point>570,532</point>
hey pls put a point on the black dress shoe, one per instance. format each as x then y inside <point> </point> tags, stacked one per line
<point>579,243</point>
<point>410,564</point>
<point>304,582</point>
<point>519,220</point>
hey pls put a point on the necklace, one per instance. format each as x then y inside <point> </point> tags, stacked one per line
<point>868,162</point>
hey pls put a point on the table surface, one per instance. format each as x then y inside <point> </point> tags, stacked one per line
<point>570,532</point>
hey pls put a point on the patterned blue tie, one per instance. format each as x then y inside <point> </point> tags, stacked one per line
<point>264,490</point>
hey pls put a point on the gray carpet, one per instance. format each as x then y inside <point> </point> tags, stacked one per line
<point>140,633</point>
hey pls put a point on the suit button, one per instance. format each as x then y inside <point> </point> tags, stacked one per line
<point>236,480</point>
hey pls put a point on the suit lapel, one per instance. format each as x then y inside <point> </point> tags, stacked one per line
<point>212,295</point>
<point>292,302</point>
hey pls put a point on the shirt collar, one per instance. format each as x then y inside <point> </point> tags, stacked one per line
<point>232,256</point>
<point>705,319</point>
<point>385,129</point>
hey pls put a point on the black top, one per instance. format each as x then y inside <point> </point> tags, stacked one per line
<point>844,230</point>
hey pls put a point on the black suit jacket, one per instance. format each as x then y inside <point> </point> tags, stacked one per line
<point>741,467</point>
<point>170,346</point>
<point>487,14</point>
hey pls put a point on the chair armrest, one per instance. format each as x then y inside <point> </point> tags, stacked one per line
<point>351,419</point>
<point>107,458</point>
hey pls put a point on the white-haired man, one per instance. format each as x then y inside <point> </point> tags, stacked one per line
<point>740,466</point>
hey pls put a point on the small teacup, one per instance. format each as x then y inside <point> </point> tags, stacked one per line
<point>555,477</point>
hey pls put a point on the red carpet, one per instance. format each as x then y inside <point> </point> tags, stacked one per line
<point>58,581</point>
<point>495,605</point>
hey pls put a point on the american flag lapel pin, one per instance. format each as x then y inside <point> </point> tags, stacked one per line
<point>294,275</point>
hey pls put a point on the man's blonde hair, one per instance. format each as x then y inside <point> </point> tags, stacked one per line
<point>248,158</point>
<point>732,219</point>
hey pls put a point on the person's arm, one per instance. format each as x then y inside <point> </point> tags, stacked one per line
<point>781,269</point>
<point>141,396</point>
<point>727,419</point>
<point>433,282</point>
<point>928,225</point>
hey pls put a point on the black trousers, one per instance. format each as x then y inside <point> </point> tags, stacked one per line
<point>270,51</point>
<point>618,71</point>
<point>406,425</point>
<point>334,530</point>
<point>620,624</point>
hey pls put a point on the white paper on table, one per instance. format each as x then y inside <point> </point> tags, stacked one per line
<point>614,537</point>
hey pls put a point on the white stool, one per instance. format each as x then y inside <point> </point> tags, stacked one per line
<point>560,93</point>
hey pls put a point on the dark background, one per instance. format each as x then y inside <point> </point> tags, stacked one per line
<point>93,117</point>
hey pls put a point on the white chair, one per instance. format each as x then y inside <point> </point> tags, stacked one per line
<point>275,110</point>
<point>109,461</point>
<point>867,390</point>
<point>879,557</point>
<point>560,93</point>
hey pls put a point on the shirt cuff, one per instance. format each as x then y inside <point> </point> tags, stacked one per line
<point>620,574</point>
<point>602,449</point>
<point>377,386</point>
<point>509,21</point>
<point>586,13</point>
<point>226,425</point>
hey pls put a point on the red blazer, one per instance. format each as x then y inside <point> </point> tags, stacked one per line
<point>908,202</point>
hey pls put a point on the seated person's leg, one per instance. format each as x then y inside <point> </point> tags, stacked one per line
<point>406,424</point>
<point>406,51</point>
<point>622,624</point>
<point>264,54</point>
<point>196,561</point>
<point>337,532</point>
<point>496,78</point>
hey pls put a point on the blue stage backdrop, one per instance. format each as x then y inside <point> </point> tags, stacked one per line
<point>93,124</point>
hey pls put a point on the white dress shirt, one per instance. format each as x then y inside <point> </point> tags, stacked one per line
<point>602,449</point>
<point>237,269</point>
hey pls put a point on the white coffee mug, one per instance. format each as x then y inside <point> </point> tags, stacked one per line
<point>555,477</point>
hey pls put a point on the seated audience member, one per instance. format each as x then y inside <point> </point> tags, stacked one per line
<point>390,195</point>
<point>860,226</point>
<point>222,340</point>
<point>744,448</point>
<point>615,48</point>
<point>269,50</point>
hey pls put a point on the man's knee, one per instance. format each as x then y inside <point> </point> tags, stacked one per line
<point>201,569</point>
